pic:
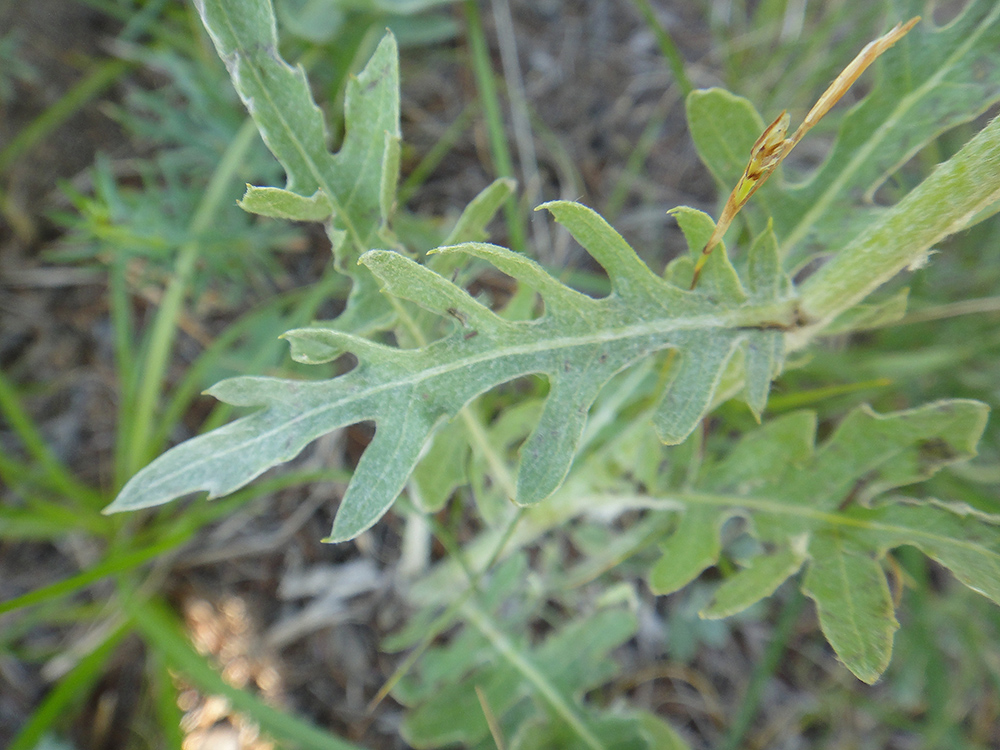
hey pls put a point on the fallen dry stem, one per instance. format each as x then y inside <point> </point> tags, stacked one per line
<point>772,146</point>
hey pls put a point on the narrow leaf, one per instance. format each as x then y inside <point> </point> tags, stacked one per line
<point>284,204</point>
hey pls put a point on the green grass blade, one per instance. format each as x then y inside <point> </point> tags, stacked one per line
<point>112,565</point>
<point>105,73</point>
<point>490,100</point>
<point>141,423</point>
<point>56,475</point>
<point>70,690</point>
<point>161,631</point>
<point>667,46</point>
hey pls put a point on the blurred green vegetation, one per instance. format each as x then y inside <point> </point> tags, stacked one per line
<point>166,220</point>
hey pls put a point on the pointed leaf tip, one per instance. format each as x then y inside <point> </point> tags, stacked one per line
<point>629,276</point>
<point>854,603</point>
<point>380,476</point>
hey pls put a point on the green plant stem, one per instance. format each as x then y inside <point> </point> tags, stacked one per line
<point>667,46</point>
<point>981,306</point>
<point>164,330</point>
<point>496,731</point>
<point>482,622</point>
<point>494,119</point>
<point>941,205</point>
<point>120,309</point>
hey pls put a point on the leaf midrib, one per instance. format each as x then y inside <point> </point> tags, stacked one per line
<point>765,505</point>
<point>314,168</point>
<point>643,330</point>
<point>845,595</point>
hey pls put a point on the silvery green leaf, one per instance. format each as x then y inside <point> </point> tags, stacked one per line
<point>579,344</point>
<point>826,507</point>
<point>358,181</point>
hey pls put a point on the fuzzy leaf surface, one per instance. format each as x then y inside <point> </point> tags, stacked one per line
<point>578,344</point>
<point>827,507</point>
<point>353,188</point>
<point>534,689</point>
<point>933,79</point>
<point>854,603</point>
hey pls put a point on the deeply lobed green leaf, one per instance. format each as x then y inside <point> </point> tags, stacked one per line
<point>357,184</point>
<point>578,345</point>
<point>933,79</point>
<point>732,327</point>
<point>353,190</point>
<point>827,508</point>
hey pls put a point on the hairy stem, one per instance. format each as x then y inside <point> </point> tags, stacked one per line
<point>941,205</point>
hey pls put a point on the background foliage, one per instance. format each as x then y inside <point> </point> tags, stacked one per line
<point>529,627</point>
